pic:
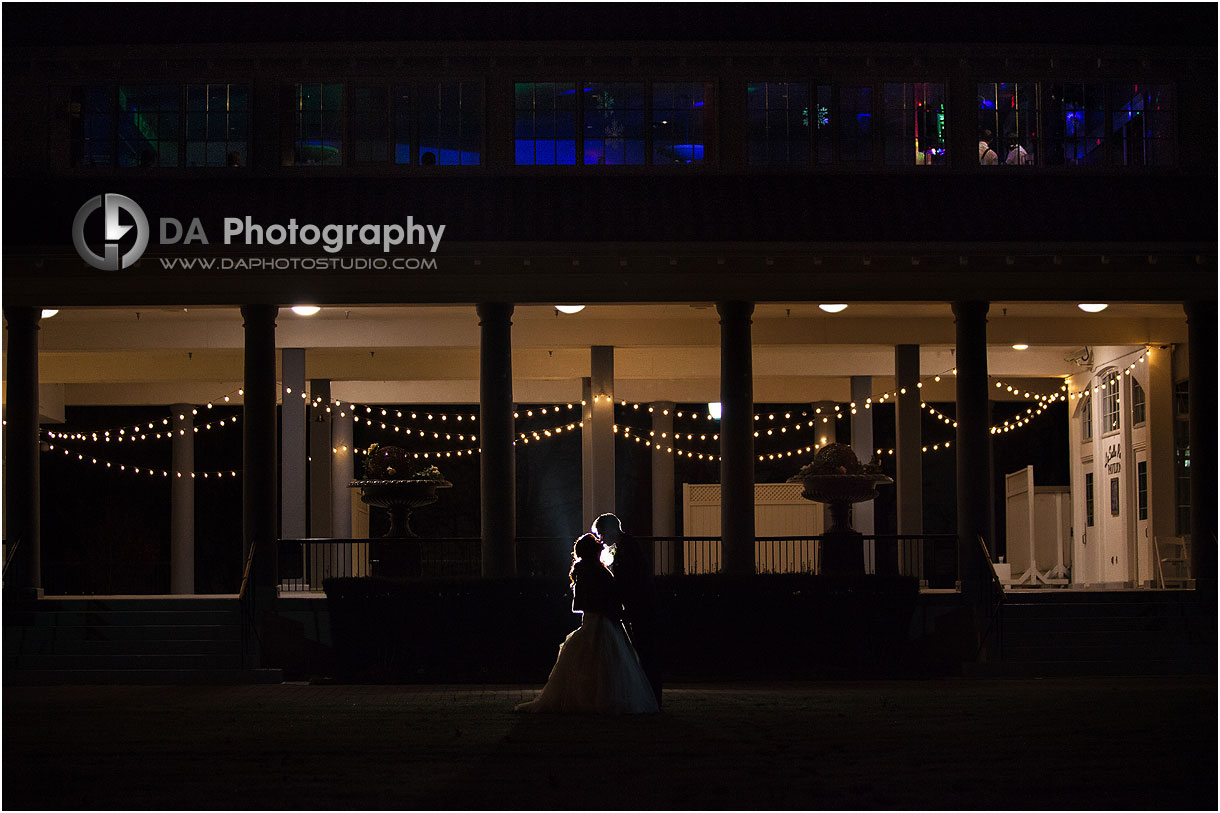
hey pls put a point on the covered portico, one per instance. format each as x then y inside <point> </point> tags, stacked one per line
<point>681,323</point>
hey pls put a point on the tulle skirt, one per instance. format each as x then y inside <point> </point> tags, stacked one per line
<point>597,672</point>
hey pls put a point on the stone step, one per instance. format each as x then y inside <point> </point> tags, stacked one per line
<point>231,660</point>
<point>121,648</point>
<point>1100,624</point>
<point>111,603</point>
<point>121,618</point>
<point>1106,668</point>
<point>1084,651</point>
<point>144,677</point>
<point>143,632</point>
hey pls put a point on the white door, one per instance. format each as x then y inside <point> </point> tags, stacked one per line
<point>1143,534</point>
<point>1113,519</point>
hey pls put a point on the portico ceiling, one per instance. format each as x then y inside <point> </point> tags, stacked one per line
<point>429,354</point>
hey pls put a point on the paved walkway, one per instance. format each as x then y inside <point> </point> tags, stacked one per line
<point>1073,743</point>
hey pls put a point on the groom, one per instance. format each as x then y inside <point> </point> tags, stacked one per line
<point>633,576</point>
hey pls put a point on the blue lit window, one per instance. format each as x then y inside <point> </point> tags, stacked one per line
<point>855,124</point>
<point>1008,123</point>
<point>450,125</point>
<point>1142,125</point>
<point>217,121</point>
<point>914,130</point>
<point>613,124</point>
<point>317,124</point>
<point>91,126</point>
<point>1075,121</point>
<point>149,122</point>
<point>545,123</point>
<point>681,121</point>
<point>780,118</point>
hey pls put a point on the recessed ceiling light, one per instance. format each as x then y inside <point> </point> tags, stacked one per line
<point>48,313</point>
<point>833,308</point>
<point>305,310</point>
<point>1020,347</point>
<point>1093,308</point>
<point>569,308</point>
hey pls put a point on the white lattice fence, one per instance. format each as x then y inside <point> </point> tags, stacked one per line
<point>779,511</point>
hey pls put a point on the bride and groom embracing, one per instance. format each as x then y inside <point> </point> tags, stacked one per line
<point>607,665</point>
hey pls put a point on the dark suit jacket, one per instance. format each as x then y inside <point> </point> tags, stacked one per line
<point>595,591</point>
<point>633,575</point>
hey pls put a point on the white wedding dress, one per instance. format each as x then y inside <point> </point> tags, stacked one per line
<point>597,672</point>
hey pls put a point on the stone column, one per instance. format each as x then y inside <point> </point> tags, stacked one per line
<point>21,477</point>
<point>598,458</point>
<point>908,454</point>
<point>736,438</point>
<point>182,501</point>
<point>862,444</point>
<point>259,475</point>
<point>1201,346</point>
<point>973,435</point>
<point>497,475</point>
<point>667,556</point>
<point>292,443</point>
<point>323,486</point>
<point>342,472</point>
<point>1158,392</point>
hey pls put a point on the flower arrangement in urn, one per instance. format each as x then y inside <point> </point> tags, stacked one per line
<point>392,481</point>
<point>395,463</point>
<point>838,478</point>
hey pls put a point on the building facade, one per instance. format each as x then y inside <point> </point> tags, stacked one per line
<point>498,175</point>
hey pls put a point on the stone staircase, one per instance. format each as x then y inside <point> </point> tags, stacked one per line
<point>136,640</point>
<point>1121,632</point>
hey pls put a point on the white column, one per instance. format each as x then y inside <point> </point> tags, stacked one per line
<point>322,426</point>
<point>342,471</point>
<point>599,446</point>
<point>663,513</point>
<point>292,443</point>
<point>182,502</point>
<point>862,444</point>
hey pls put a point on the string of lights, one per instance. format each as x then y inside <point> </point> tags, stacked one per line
<point>1096,377</point>
<point>132,434</point>
<point>140,470</point>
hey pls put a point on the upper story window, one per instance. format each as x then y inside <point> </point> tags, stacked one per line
<point>317,124</point>
<point>682,120</point>
<point>91,115</point>
<point>1075,124</point>
<point>1086,417</point>
<point>780,122</point>
<point>449,118</point>
<point>369,124</point>
<point>855,110</point>
<point>611,123</point>
<point>613,126</point>
<point>914,123</point>
<point>1008,123</point>
<point>1142,125</point>
<point>1138,411</point>
<point>162,125</point>
<point>1110,387</point>
<point>545,123</point>
<point>217,120</point>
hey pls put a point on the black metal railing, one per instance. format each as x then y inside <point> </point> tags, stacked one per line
<point>9,551</point>
<point>249,619</point>
<point>994,603</point>
<point>304,564</point>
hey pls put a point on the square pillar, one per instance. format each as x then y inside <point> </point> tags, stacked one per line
<point>497,474</point>
<point>324,422</point>
<point>292,443</point>
<point>736,438</point>
<point>598,436</point>
<point>182,501</point>
<point>973,438</point>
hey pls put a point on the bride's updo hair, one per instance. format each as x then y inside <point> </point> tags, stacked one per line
<point>587,554</point>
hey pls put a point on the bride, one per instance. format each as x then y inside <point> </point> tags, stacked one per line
<point>597,670</point>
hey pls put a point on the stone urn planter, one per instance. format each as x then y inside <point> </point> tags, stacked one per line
<point>838,479</point>
<point>392,482</point>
